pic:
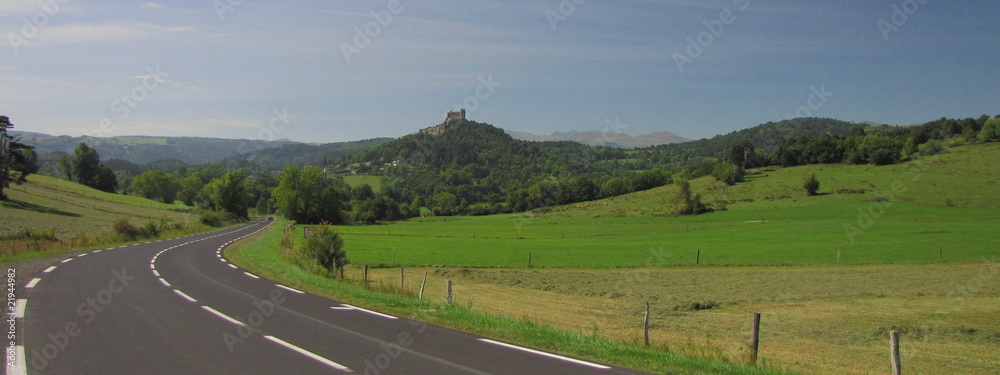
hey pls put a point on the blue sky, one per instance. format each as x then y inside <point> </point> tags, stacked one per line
<point>258,69</point>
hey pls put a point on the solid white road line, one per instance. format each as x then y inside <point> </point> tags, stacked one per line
<point>370,312</point>
<point>67,260</point>
<point>187,297</point>
<point>50,269</point>
<point>19,309</point>
<point>550,355</point>
<point>309,354</point>
<point>285,287</point>
<point>165,283</point>
<point>32,283</point>
<point>19,366</point>
<point>252,275</point>
<point>223,316</point>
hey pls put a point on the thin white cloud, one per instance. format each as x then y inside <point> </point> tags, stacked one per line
<point>231,123</point>
<point>86,33</point>
<point>17,7</point>
<point>150,5</point>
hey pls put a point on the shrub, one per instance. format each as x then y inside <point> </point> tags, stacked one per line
<point>150,230</point>
<point>212,218</point>
<point>811,185</point>
<point>726,173</point>
<point>327,248</point>
<point>932,147</point>
<point>686,203</point>
<point>126,230</point>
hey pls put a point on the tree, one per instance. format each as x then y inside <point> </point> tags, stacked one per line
<point>739,156</point>
<point>582,189</point>
<point>990,131</point>
<point>327,248</point>
<point>932,147</point>
<point>811,185</point>
<point>725,172</point>
<point>85,164</point>
<point>66,167</point>
<point>686,203</point>
<point>105,179</point>
<point>614,187</point>
<point>17,160</point>
<point>307,196</point>
<point>880,149</point>
<point>229,194</point>
<point>157,185</point>
<point>190,186</point>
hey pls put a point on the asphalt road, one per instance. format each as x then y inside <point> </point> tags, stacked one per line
<point>178,307</point>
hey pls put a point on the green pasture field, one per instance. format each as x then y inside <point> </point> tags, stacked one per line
<point>358,179</point>
<point>939,208</point>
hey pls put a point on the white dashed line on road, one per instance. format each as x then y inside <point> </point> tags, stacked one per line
<point>309,354</point>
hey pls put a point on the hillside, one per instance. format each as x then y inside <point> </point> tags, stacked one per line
<point>144,150</point>
<point>70,209</point>
<point>964,177</point>
<point>301,154</point>
<point>478,162</point>
<point>765,137</point>
<point>599,138</point>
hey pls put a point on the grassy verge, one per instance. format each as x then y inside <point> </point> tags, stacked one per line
<point>28,255</point>
<point>261,255</point>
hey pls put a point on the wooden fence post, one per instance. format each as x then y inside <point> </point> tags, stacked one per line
<point>366,275</point>
<point>754,339</point>
<point>401,277</point>
<point>697,259</point>
<point>645,325</point>
<point>897,368</point>
<point>450,297</point>
<point>529,259</point>
<point>422,284</point>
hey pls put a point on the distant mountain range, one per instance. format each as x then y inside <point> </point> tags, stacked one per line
<point>599,138</point>
<point>146,149</point>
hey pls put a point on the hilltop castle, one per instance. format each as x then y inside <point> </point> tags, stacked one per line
<point>449,118</point>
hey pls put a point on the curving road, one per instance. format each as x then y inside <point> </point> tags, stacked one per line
<point>178,307</point>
